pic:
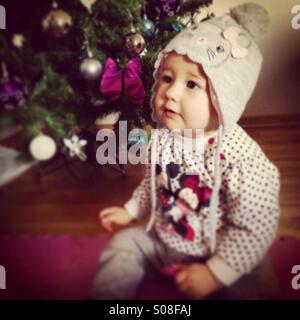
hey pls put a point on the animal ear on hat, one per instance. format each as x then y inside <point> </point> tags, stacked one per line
<point>252,17</point>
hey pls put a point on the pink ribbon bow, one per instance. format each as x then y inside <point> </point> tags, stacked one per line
<point>114,79</point>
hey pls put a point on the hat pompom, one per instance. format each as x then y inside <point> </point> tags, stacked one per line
<point>253,17</point>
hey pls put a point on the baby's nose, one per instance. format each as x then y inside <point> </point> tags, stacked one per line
<point>173,92</point>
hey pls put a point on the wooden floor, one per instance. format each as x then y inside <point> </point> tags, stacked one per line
<point>61,205</point>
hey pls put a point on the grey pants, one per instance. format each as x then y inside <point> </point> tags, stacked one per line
<point>133,252</point>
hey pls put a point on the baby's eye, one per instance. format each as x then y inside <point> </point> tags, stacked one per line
<point>220,49</point>
<point>166,79</point>
<point>192,85</point>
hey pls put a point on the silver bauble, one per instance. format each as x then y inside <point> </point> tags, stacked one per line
<point>91,69</point>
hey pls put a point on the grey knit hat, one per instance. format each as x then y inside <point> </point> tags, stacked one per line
<point>226,49</point>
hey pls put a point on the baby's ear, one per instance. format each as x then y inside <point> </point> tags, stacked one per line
<point>172,170</point>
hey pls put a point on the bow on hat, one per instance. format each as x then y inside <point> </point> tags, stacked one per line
<point>231,34</point>
<point>116,82</point>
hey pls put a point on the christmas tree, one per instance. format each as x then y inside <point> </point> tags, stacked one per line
<point>66,63</point>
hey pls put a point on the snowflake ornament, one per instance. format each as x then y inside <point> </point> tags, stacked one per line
<point>75,146</point>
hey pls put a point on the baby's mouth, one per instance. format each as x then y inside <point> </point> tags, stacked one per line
<point>170,112</point>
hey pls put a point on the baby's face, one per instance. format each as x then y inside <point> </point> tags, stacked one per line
<point>182,98</point>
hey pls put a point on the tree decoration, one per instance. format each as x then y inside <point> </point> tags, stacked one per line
<point>18,40</point>
<point>75,147</point>
<point>137,138</point>
<point>42,147</point>
<point>135,44</point>
<point>107,121</point>
<point>177,25</point>
<point>147,27</point>
<point>167,7</point>
<point>58,22</point>
<point>117,82</point>
<point>90,68</point>
<point>12,90</point>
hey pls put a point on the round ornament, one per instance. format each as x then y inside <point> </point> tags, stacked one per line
<point>107,121</point>
<point>177,26</point>
<point>12,92</point>
<point>138,139</point>
<point>147,28</point>
<point>58,22</point>
<point>18,40</point>
<point>42,147</point>
<point>91,68</point>
<point>135,44</point>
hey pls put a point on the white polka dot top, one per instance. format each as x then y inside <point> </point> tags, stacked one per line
<point>248,208</point>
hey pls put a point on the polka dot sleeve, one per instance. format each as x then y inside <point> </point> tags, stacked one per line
<point>249,225</point>
<point>140,203</point>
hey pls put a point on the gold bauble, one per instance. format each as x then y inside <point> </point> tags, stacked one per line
<point>58,22</point>
<point>135,44</point>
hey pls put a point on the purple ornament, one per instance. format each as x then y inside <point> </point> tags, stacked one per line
<point>12,92</point>
<point>167,7</point>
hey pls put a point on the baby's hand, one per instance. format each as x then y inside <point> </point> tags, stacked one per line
<point>114,216</point>
<point>195,280</point>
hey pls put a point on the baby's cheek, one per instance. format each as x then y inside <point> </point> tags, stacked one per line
<point>156,102</point>
<point>196,117</point>
<point>158,108</point>
<point>158,93</point>
<point>157,105</point>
